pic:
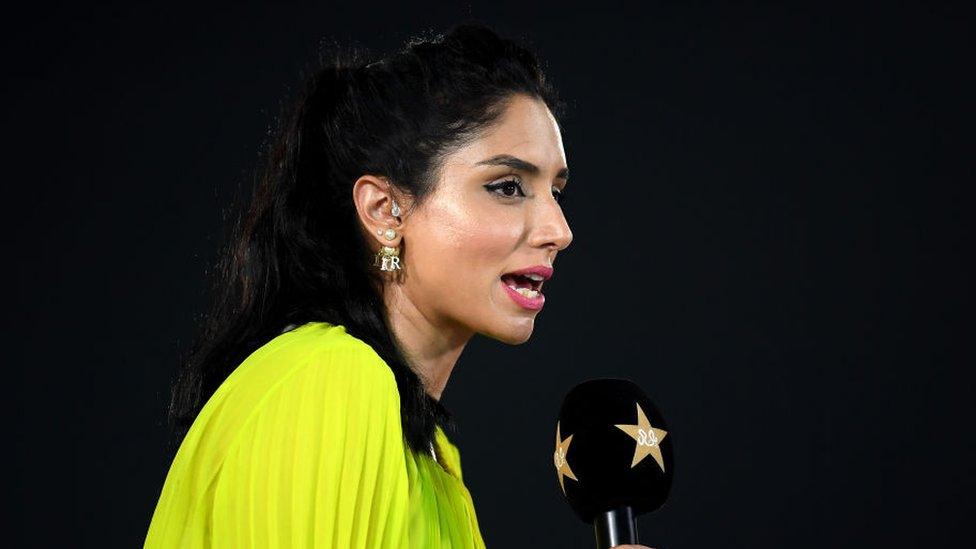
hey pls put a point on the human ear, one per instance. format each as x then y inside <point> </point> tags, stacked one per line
<point>374,201</point>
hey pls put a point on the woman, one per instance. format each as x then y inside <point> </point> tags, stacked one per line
<point>406,205</point>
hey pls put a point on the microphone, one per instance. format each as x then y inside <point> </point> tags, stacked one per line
<point>613,457</point>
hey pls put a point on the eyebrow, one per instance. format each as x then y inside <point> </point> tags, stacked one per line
<point>519,164</point>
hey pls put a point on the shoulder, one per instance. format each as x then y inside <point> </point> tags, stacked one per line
<point>317,368</point>
<point>310,404</point>
<point>317,350</point>
<point>322,357</point>
<point>317,455</point>
<point>327,355</point>
<point>331,394</point>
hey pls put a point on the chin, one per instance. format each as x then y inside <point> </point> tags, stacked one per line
<point>515,333</point>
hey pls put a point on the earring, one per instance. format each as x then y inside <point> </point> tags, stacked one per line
<point>395,210</point>
<point>388,259</point>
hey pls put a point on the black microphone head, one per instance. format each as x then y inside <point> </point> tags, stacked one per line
<point>613,449</point>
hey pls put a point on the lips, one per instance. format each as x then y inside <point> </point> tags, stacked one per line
<point>524,286</point>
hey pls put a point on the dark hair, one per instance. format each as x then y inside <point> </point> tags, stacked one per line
<point>298,252</point>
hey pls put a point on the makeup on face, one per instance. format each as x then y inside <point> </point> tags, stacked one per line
<point>495,218</point>
<point>525,286</point>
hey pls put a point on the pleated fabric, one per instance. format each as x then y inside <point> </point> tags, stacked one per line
<point>302,446</point>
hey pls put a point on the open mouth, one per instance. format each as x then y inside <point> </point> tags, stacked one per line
<point>529,285</point>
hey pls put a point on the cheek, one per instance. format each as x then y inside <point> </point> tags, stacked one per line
<point>466,249</point>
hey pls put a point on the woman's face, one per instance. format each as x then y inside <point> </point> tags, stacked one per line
<point>477,226</point>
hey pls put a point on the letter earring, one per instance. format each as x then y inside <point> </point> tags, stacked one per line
<point>388,259</point>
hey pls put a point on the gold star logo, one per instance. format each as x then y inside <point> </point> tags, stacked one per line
<point>648,439</point>
<point>559,458</point>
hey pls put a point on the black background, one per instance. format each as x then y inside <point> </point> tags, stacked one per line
<point>768,206</point>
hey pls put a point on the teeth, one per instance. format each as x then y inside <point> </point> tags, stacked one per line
<point>533,276</point>
<point>525,291</point>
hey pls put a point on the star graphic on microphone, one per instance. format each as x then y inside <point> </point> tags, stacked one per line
<point>559,458</point>
<point>648,439</point>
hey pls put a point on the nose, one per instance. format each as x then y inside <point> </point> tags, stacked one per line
<point>550,228</point>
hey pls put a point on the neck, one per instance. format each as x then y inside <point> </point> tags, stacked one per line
<point>432,346</point>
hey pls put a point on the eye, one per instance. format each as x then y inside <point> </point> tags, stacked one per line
<point>508,188</point>
<point>558,195</point>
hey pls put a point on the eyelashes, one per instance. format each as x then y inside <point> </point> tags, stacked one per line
<point>516,185</point>
<point>505,185</point>
<point>560,196</point>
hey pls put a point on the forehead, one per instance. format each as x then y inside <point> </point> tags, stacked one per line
<point>526,129</point>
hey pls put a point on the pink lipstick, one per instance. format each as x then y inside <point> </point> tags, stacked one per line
<point>533,303</point>
<point>530,278</point>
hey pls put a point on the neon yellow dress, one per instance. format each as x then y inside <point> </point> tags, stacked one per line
<point>301,446</point>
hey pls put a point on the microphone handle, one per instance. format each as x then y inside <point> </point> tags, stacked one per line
<point>617,526</point>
